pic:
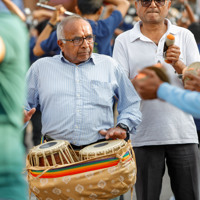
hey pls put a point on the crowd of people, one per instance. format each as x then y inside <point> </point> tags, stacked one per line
<point>81,66</point>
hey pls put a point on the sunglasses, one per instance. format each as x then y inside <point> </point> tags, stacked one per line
<point>147,3</point>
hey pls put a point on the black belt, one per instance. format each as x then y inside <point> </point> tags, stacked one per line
<point>48,139</point>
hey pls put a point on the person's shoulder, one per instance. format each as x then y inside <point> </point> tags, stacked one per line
<point>179,29</point>
<point>116,12</point>
<point>115,15</point>
<point>127,36</point>
<point>53,36</point>
<point>41,61</point>
<point>102,58</point>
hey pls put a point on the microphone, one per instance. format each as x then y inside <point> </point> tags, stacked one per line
<point>170,40</point>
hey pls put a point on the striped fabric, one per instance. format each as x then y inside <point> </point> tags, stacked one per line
<point>80,167</point>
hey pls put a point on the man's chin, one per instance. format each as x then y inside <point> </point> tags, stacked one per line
<point>84,57</point>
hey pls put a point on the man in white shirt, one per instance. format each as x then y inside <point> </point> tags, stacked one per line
<point>166,135</point>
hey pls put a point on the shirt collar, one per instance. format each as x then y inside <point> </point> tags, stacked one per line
<point>92,59</point>
<point>136,32</point>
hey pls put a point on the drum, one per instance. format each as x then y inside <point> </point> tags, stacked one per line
<point>159,69</point>
<point>161,72</point>
<point>56,152</point>
<point>108,175</point>
<point>101,149</point>
<point>193,68</point>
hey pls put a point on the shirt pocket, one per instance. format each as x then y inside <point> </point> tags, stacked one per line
<point>99,105</point>
<point>102,93</point>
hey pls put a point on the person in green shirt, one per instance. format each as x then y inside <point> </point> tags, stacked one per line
<point>14,62</point>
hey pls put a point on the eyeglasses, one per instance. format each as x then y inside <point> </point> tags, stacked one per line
<point>79,40</point>
<point>147,3</point>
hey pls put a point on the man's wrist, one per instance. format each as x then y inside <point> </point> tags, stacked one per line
<point>52,25</point>
<point>123,126</point>
<point>126,128</point>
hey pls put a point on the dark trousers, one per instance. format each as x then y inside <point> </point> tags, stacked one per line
<point>37,126</point>
<point>183,162</point>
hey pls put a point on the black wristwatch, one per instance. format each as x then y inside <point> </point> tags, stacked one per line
<point>126,128</point>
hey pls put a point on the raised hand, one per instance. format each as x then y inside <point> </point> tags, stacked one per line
<point>28,114</point>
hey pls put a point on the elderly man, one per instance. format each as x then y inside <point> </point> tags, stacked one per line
<point>76,90</point>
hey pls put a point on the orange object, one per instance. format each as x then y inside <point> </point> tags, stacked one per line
<point>168,61</point>
<point>141,76</point>
<point>158,65</point>
<point>190,69</point>
<point>170,37</point>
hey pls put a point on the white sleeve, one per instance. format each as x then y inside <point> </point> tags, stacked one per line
<point>120,55</point>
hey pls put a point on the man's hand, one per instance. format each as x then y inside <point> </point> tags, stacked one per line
<point>193,82</point>
<point>57,14</point>
<point>172,54</point>
<point>147,87</point>
<point>114,133</point>
<point>28,114</point>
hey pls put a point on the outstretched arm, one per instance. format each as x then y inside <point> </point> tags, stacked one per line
<point>37,50</point>
<point>14,9</point>
<point>121,5</point>
<point>151,87</point>
<point>188,10</point>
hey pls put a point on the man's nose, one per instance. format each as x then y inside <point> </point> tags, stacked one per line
<point>153,4</point>
<point>85,43</point>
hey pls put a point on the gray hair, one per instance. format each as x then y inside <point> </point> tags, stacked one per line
<point>60,28</point>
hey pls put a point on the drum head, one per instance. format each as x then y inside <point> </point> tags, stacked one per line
<point>102,148</point>
<point>161,73</point>
<point>50,146</point>
<point>56,152</point>
<point>193,68</point>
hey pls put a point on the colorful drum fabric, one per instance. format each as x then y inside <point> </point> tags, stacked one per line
<point>98,178</point>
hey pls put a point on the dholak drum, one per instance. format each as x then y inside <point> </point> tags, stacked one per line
<point>56,152</point>
<point>101,149</point>
<point>108,175</point>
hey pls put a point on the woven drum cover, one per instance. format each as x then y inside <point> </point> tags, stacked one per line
<point>104,178</point>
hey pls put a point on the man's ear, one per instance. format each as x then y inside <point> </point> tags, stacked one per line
<point>61,45</point>
<point>99,12</point>
<point>169,4</point>
<point>136,5</point>
<point>77,10</point>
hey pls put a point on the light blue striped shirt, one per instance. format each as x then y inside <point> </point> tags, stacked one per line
<point>76,101</point>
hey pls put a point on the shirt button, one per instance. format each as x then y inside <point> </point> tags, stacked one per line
<point>78,95</point>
